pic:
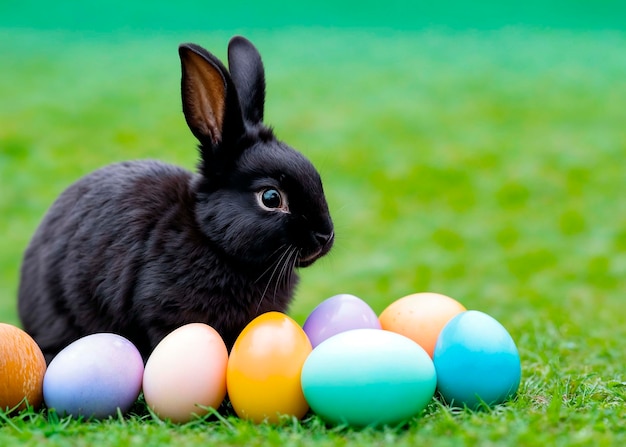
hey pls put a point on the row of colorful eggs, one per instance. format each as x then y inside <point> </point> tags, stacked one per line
<point>345,363</point>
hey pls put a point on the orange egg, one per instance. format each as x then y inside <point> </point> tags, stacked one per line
<point>263,374</point>
<point>22,368</point>
<point>421,317</point>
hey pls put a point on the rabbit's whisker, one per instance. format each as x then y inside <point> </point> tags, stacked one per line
<point>286,269</point>
<point>277,267</point>
<point>274,263</point>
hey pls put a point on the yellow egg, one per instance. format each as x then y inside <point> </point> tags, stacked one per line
<point>22,369</point>
<point>264,369</point>
<point>186,371</point>
<point>421,317</point>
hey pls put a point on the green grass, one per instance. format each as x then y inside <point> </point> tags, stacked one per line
<point>485,165</point>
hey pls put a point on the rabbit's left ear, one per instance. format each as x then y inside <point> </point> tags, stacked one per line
<point>246,69</point>
<point>210,101</point>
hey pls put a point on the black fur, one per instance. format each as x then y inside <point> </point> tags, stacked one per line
<point>141,248</point>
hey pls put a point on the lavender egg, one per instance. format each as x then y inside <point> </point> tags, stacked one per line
<point>338,314</point>
<point>94,377</point>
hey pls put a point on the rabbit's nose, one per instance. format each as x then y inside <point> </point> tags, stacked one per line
<point>325,239</point>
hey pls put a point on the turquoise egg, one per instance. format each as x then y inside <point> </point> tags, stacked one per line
<point>368,377</point>
<point>477,361</point>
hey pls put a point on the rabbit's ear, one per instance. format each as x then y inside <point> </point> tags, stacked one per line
<point>246,69</point>
<point>210,102</point>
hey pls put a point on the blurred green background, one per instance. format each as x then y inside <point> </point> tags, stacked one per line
<point>470,148</point>
<point>186,15</point>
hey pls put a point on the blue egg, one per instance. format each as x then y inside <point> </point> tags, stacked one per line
<point>96,376</point>
<point>368,377</point>
<point>476,361</point>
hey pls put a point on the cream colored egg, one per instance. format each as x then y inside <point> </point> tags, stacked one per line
<point>186,372</point>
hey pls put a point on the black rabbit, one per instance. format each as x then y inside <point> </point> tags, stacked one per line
<point>142,247</point>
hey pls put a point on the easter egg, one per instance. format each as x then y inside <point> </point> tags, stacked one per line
<point>263,374</point>
<point>338,314</point>
<point>94,377</point>
<point>368,377</point>
<point>421,317</point>
<point>477,361</point>
<point>185,372</point>
<point>22,368</point>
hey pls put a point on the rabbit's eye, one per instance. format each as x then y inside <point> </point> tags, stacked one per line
<point>272,199</point>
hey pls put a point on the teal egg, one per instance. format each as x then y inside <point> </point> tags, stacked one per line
<point>368,377</point>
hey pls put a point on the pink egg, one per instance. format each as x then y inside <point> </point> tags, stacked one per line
<point>186,373</point>
<point>337,314</point>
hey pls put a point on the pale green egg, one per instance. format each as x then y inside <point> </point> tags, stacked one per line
<point>366,377</point>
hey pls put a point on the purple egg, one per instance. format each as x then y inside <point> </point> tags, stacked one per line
<point>94,376</point>
<point>337,314</point>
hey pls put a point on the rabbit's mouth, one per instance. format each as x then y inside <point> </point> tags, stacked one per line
<point>305,261</point>
<point>326,242</point>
